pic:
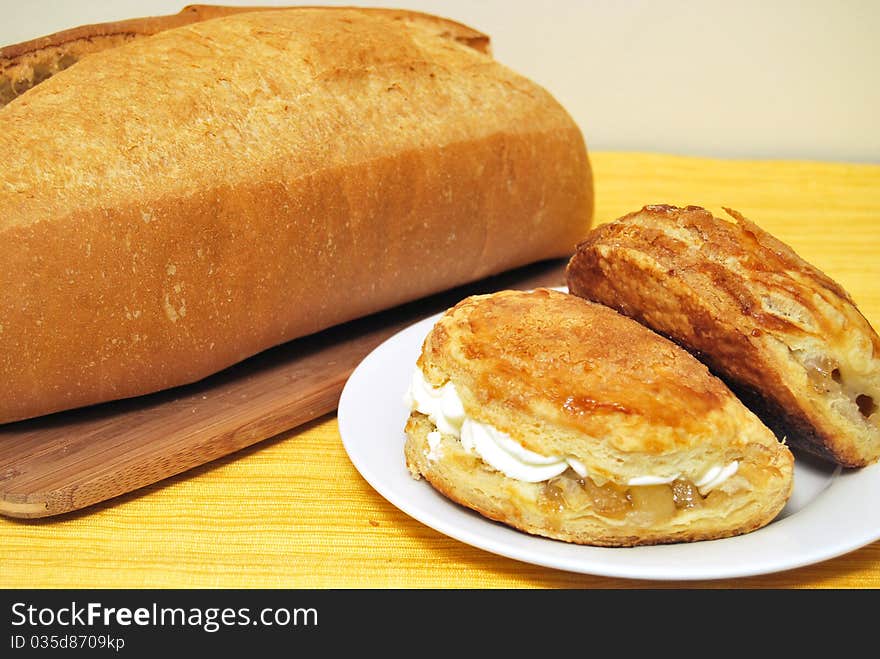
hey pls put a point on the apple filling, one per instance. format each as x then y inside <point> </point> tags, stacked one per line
<point>825,377</point>
<point>571,493</point>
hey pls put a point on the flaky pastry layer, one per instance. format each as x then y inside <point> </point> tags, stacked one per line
<point>564,376</point>
<point>567,508</point>
<point>788,339</point>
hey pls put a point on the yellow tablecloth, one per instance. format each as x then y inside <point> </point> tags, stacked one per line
<point>293,512</point>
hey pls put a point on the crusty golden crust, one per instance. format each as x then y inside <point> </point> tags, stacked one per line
<point>616,395</point>
<point>25,65</point>
<point>786,337</point>
<point>175,205</point>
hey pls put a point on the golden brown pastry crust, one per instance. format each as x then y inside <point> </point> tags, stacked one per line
<point>787,338</point>
<point>567,377</point>
<point>175,205</point>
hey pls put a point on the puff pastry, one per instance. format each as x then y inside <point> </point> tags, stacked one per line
<point>565,419</point>
<point>783,335</point>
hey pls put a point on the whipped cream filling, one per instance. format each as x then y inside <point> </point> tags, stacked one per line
<point>715,476</point>
<point>499,450</point>
<point>507,455</point>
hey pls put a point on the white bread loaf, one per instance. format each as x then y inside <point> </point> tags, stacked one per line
<point>176,204</point>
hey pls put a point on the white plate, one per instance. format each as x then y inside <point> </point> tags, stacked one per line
<point>830,512</point>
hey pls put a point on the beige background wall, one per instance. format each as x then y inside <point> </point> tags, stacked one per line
<point>746,79</point>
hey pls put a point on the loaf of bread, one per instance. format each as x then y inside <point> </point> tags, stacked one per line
<point>176,204</point>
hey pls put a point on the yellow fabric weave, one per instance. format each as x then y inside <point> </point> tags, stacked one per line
<point>293,512</point>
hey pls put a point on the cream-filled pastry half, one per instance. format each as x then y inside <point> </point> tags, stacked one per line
<point>562,418</point>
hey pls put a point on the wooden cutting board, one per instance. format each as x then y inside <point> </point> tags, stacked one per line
<point>66,461</point>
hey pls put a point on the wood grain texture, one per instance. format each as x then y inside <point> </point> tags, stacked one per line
<point>66,461</point>
<point>293,512</point>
